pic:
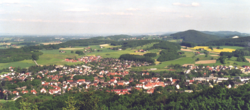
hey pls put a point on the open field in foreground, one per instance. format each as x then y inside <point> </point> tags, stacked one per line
<point>205,62</point>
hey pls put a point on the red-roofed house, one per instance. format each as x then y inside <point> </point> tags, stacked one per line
<point>113,81</point>
<point>69,81</point>
<point>33,91</point>
<point>80,81</point>
<point>15,92</point>
<point>43,90</point>
<point>120,83</point>
<point>24,92</point>
<point>150,91</point>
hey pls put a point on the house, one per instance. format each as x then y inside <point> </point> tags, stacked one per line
<point>43,90</point>
<point>33,91</point>
<point>221,79</point>
<point>113,81</point>
<point>70,81</point>
<point>24,92</point>
<point>15,92</point>
<point>139,85</point>
<point>151,91</point>
<point>120,83</point>
<point>80,81</point>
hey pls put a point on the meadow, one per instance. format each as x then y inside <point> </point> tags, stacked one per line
<point>22,64</point>
<point>50,57</point>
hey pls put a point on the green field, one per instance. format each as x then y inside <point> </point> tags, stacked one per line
<point>22,64</point>
<point>4,101</point>
<point>55,57</point>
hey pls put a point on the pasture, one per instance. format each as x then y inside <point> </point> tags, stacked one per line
<point>22,64</point>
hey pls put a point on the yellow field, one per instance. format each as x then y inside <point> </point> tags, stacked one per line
<point>214,50</point>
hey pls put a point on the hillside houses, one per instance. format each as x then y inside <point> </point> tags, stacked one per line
<point>111,74</point>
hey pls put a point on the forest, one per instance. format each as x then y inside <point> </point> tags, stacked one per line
<point>242,41</point>
<point>214,98</point>
<point>136,58</point>
<point>194,36</point>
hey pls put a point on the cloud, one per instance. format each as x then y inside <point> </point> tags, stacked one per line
<point>26,6</point>
<point>9,3</point>
<point>187,16</point>
<point>118,13</point>
<point>132,9</point>
<point>194,4</point>
<point>77,10</point>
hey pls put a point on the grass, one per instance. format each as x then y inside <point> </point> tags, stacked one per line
<point>3,101</point>
<point>162,65</point>
<point>51,57</point>
<point>22,64</point>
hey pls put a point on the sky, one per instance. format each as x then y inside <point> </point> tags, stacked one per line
<point>122,16</point>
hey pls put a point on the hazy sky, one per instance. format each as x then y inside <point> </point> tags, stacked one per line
<point>122,16</point>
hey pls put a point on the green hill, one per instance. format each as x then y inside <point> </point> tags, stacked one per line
<point>242,41</point>
<point>194,36</point>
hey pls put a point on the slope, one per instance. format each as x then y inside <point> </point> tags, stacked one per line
<point>194,36</point>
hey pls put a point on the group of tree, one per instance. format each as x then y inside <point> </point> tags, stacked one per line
<point>188,44</point>
<point>150,55</point>
<point>214,98</point>
<point>238,53</point>
<point>242,41</point>
<point>79,52</point>
<point>136,58</point>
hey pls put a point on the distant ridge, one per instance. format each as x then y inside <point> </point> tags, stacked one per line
<point>194,36</point>
<point>226,34</point>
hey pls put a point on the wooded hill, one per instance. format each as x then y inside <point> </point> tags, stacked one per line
<point>226,34</point>
<point>242,41</point>
<point>194,36</point>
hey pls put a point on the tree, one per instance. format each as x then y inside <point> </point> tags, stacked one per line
<point>25,105</point>
<point>90,102</point>
<point>197,59</point>
<point>35,56</point>
<point>211,47</point>
<point>72,51</point>
<point>70,104</point>
<point>79,52</point>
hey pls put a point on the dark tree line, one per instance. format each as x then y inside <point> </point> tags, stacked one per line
<point>215,98</point>
<point>150,55</point>
<point>242,41</point>
<point>188,44</point>
<point>136,58</point>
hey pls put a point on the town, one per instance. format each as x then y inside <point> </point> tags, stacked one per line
<point>112,75</point>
